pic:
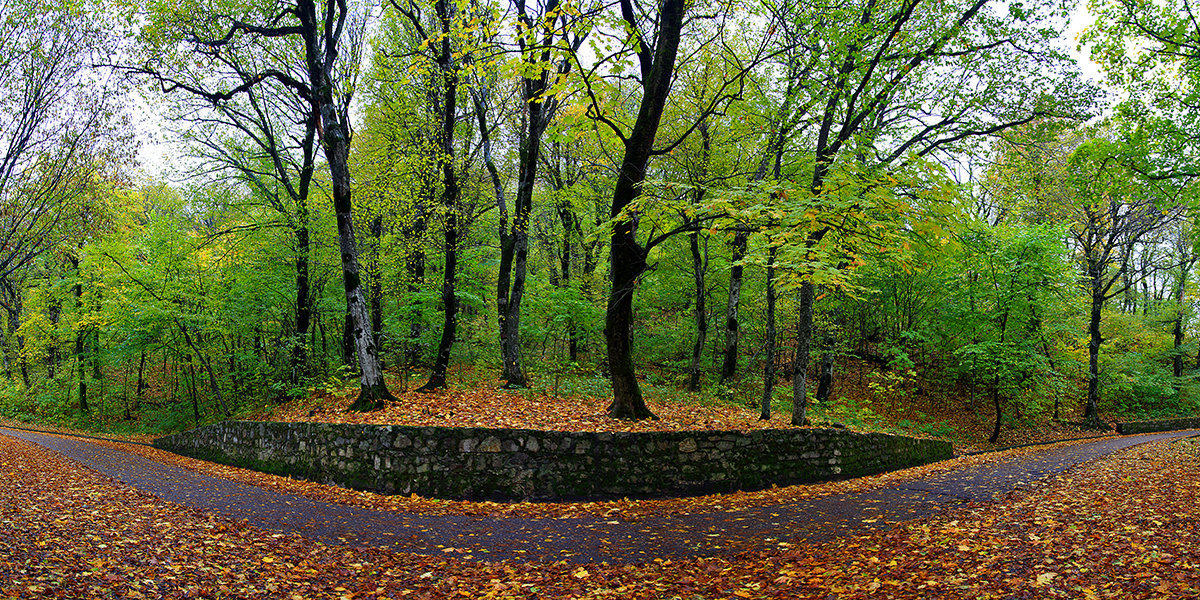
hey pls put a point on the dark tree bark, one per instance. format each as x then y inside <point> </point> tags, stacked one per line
<point>1187,261</point>
<point>53,354</point>
<point>322,35</point>
<point>828,355</point>
<point>299,192</point>
<point>699,267</point>
<point>570,223</point>
<point>732,321</point>
<point>1105,232</point>
<point>140,390</point>
<point>13,305</point>
<point>349,355</point>
<point>376,281</point>
<point>191,387</point>
<point>1091,411</point>
<point>769,368</point>
<point>7,353</point>
<point>1003,324</point>
<point>536,40</point>
<point>628,257</point>
<point>800,363</point>
<point>80,338</point>
<point>449,82</point>
<point>699,261</point>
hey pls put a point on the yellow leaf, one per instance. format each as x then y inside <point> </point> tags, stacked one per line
<point>1046,578</point>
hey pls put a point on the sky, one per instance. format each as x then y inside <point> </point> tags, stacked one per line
<point>1081,19</point>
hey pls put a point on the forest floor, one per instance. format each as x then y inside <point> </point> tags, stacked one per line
<point>862,400</point>
<point>579,403</point>
<point>1119,526</point>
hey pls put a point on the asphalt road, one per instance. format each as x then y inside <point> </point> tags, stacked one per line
<point>589,539</point>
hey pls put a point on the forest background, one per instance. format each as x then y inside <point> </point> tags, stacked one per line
<point>886,213</point>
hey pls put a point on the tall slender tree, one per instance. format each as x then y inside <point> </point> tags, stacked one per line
<point>329,35</point>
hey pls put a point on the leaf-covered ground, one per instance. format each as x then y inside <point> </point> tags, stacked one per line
<point>582,408</point>
<point>1124,526</point>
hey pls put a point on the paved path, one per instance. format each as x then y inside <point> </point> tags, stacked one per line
<point>584,539</point>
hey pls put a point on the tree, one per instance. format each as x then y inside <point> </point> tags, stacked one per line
<point>653,36</point>
<point>898,83</point>
<point>1112,210</point>
<point>62,136</point>
<point>1008,278</point>
<point>265,138</point>
<point>543,35</point>
<point>441,48</point>
<point>329,34</point>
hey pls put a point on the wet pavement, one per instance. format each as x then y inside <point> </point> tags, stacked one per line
<point>586,539</point>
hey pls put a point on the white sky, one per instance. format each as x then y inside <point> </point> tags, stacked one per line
<point>1080,20</point>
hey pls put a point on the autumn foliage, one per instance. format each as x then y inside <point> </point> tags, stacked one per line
<point>1122,526</point>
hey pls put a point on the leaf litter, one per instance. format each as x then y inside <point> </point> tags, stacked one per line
<point>1122,526</point>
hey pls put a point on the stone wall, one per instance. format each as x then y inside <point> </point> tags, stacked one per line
<point>513,464</point>
<point>1158,425</point>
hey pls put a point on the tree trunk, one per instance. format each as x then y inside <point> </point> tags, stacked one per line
<point>348,354</point>
<point>996,404</point>
<point>514,239</point>
<point>207,364</point>
<point>140,391</point>
<point>732,323</point>
<point>829,353</point>
<point>321,47</point>
<point>569,221</point>
<point>769,368</point>
<point>80,338</point>
<point>627,257</point>
<point>299,359</point>
<point>825,380</point>
<point>8,372</point>
<point>699,266</point>
<point>191,386</point>
<point>441,362</point>
<point>375,286</point>
<point>628,262</point>
<point>450,196</point>
<point>539,109</point>
<point>800,364</point>
<point>700,263</point>
<point>53,356</point>
<point>1177,329</point>
<point>1091,413</point>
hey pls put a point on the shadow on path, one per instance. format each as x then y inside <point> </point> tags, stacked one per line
<point>584,539</point>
